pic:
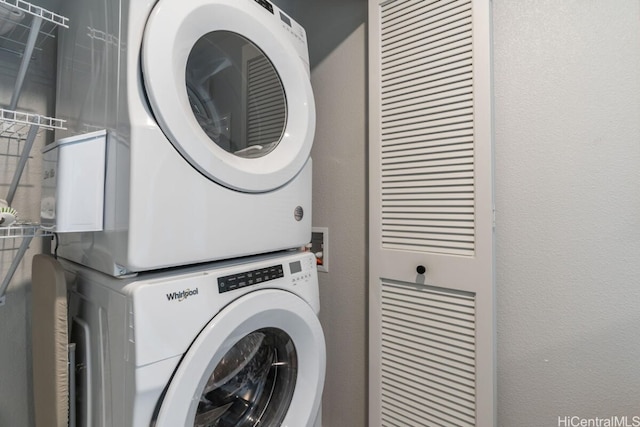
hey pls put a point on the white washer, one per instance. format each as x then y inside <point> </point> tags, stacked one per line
<point>234,343</point>
<point>210,119</point>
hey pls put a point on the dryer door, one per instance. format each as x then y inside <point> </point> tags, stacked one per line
<point>260,361</point>
<point>229,89</point>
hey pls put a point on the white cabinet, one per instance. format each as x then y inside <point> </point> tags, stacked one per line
<point>24,28</point>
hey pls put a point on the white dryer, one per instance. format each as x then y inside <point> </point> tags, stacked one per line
<point>235,343</point>
<point>210,120</point>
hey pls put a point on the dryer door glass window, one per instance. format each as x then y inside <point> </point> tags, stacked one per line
<point>236,94</point>
<point>252,385</point>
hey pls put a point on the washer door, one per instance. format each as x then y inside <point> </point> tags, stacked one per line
<point>229,91</point>
<point>260,361</point>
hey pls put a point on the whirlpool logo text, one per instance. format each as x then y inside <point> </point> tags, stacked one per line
<point>182,295</point>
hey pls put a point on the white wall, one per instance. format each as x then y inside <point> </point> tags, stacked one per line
<point>567,145</point>
<point>339,203</point>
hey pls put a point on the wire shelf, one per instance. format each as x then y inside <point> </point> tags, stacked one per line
<point>23,229</point>
<point>16,20</point>
<point>16,124</point>
<point>34,10</point>
<point>24,28</point>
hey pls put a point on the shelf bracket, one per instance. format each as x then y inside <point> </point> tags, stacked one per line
<point>36,23</point>
<point>26,241</point>
<point>26,151</point>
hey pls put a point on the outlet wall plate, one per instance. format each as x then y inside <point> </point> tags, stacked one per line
<point>320,247</point>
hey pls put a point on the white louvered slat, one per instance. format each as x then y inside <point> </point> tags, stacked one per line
<point>444,189</point>
<point>432,197</point>
<point>439,396</point>
<point>428,51</point>
<point>430,60</point>
<point>453,185</point>
<point>448,109</point>
<point>450,75</point>
<point>426,120</point>
<point>399,24</point>
<point>453,17</point>
<point>427,355</point>
<point>427,367</point>
<point>427,124</point>
<point>418,98</point>
<point>453,97</point>
<point>435,175</point>
<point>440,404</point>
<point>434,209</point>
<point>451,233</point>
<point>432,247</point>
<point>429,216</point>
<point>397,7</point>
<point>439,40</point>
<point>451,145</point>
<point>433,138</point>
<point>438,342</point>
<point>428,162</point>
<point>429,134</point>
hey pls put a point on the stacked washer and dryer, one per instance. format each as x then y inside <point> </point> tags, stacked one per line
<point>191,304</point>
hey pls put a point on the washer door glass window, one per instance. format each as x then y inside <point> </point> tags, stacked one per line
<point>253,383</point>
<point>259,362</point>
<point>236,94</point>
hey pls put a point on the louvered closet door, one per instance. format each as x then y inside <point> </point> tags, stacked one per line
<point>431,207</point>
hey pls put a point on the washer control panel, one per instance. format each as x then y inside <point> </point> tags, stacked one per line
<point>264,3</point>
<point>301,271</point>
<point>295,272</point>
<point>249,278</point>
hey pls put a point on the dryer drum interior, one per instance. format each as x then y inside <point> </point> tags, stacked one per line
<point>236,94</point>
<point>253,383</point>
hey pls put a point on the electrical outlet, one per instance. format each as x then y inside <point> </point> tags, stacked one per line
<point>320,247</point>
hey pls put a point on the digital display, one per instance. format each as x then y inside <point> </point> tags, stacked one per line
<point>285,19</point>
<point>295,267</point>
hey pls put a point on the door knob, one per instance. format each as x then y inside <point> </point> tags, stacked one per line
<point>421,269</point>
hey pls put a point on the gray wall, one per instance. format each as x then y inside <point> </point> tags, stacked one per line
<point>328,23</point>
<point>340,201</point>
<point>567,145</point>
<point>337,46</point>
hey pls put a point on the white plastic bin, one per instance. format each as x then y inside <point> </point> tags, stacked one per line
<point>73,183</point>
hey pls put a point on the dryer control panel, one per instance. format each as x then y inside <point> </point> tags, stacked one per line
<point>291,27</point>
